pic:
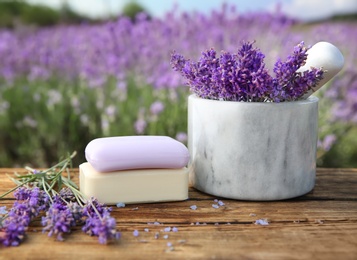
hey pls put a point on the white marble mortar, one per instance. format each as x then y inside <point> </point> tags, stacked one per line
<point>253,151</point>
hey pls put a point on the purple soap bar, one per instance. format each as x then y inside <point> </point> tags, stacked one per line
<point>136,152</point>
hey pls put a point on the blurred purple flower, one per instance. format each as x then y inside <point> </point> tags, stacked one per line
<point>328,142</point>
<point>157,107</point>
<point>140,126</point>
<point>181,137</point>
<point>29,121</point>
<point>3,210</point>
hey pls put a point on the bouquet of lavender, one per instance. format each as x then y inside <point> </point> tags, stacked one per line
<point>56,197</point>
<point>242,76</point>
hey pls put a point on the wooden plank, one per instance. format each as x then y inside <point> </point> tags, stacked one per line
<point>319,225</point>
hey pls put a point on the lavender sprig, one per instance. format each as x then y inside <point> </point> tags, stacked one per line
<point>243,76</point>
<point>57,197</point>
<point>289,84</point>
<point>28,206</point>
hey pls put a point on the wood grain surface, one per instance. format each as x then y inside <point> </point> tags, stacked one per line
<point>319,225</point>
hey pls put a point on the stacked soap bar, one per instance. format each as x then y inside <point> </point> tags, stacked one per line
<point>135,169</point>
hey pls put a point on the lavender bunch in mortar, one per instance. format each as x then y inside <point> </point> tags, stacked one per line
<point>242,76</point>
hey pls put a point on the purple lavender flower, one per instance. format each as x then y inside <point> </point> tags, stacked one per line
<point>328,142</point>
<point>181,137</point>
<point>157,107</point>
<point>58,220</point>
<point>104,228</point>
<point>140,126</point>
<point>289,84</point>
<point>15,228</point>
<point>88,209</point>
<point>28,206</point>
<point>67,194</point>
<point>99,222</point>
<point>243,76</point>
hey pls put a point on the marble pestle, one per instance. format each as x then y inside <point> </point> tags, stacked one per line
<point>327,56</point>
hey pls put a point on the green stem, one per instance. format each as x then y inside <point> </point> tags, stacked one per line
<point>44,188</point>
<point>18,186</point>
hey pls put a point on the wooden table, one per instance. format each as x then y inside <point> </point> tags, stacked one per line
<point>319,225</point>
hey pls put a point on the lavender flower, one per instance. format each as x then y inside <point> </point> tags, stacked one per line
<point>67,194</point>
<point>58,220</point>
<point>140,126</point>
<point>289,84</point>
<point>103,227</point>
<point>15,228</point>
<point>157,107</point>
<point>28,206</point>
<point>181,137</point>
<point>99,222</point>
<point>243,76</point>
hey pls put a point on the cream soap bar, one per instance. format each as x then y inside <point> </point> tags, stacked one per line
<point>136,152</point>
<point>134,186</point>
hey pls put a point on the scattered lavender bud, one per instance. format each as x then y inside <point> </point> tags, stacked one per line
<point>3,210</point>
<point>120,205</point>
<point>215,206</point>
<point>193,207</point>
<point>169,244</point>
<point>146,229</point>
<point>167,229</point>
<point>156,235</point>
<point>216,200</point>
<point>135,233</point>
<point>216,224</point>
<point>197,223</point>
<point>154,223</point>
<point>252,215</point>
<point>262,222</point>
<point>174,229</point>
<point>136,208</point>
<point>221,203</point>
<point>166,236</point>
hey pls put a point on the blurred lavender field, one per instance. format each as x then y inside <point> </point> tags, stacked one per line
<point>63,86</point>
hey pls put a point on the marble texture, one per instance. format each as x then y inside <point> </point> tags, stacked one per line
<point>252,151</point>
